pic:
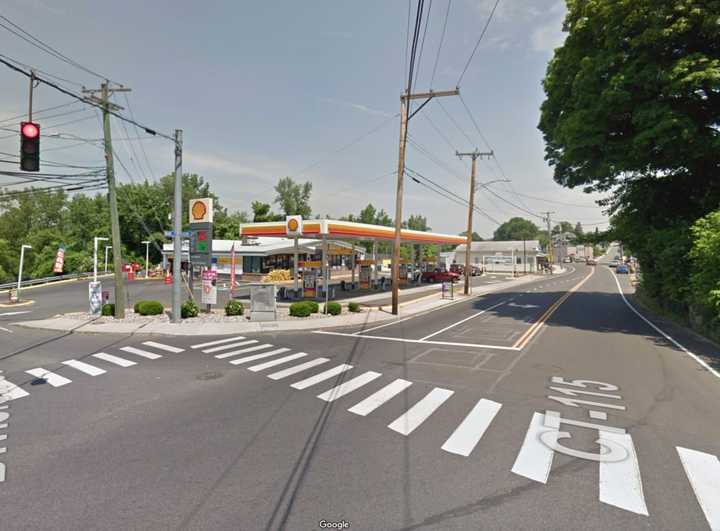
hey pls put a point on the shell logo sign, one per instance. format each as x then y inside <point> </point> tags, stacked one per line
<point>201,210</point>
<point>293,225</point>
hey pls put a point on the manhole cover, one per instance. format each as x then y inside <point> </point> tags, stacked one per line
<point>210,375</point>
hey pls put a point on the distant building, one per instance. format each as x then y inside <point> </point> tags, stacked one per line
<point>507,257</point>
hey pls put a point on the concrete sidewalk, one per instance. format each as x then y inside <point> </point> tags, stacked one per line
<point>200,327</point>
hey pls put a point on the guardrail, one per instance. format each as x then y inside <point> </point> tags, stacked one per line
<point>46,280</point>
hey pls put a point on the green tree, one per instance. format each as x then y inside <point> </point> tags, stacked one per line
<point>294,198</point>
<point>516,229</point>
<point>705,256</point>
<point>262,212</point>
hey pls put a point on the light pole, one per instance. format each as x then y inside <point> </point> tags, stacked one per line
<point>22,259</point>
<point>96,239</point>
<point>147,256</point>
<point>106,255</point>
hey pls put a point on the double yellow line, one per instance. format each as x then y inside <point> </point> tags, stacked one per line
<point>535,328</point>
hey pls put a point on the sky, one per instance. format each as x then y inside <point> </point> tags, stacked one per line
<point>310,90</point>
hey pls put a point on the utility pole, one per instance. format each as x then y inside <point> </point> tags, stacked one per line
<point>104,100</point>
<point>405,100</point>
<point>549,235</point>
<point>177,229</point>
<point>471,206</point>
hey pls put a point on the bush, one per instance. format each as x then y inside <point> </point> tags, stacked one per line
<point>189,309</point>
<point>233,307</point>
<point>149,308</point>
<point>136,308</point>
<point>333,308</point>
<point>314,306</point>
<point>108,309</point>
<point>353,307</point>
<point>300,309</point>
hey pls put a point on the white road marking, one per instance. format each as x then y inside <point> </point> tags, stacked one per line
<point>377,399</point>
<point>244,350</point>
<point>666,336</point>
<point>279,361</point>
<point>217,342</point>
<point>620,481</point>
<point>163,346</point>
<point>231,345</point>
<point>143,353</point>
<point>406,423</point>
<point>703,472</point>
<point>599,415</point>
<point>254,357</point>
<point>349,386</point>
<point>402,340</point>
<point>534,460</point>
<point>84,367</point>
<point>122,362</point>
<point>384,325</point>
<point>326,375</point>
<point>10,391</point>
<point>50,377</point>
<point>15,313</point>
<point>478,314</point>
<point>6,330</point>
<point>472,428</point>
<point>297,368</point>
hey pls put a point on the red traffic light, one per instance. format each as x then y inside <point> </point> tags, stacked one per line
<point>30,130</point>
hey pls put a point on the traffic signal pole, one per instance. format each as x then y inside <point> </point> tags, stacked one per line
<point>104,100</point>
<point>177,228</point>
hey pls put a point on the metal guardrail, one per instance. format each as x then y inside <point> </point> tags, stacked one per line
<point>46,280</point>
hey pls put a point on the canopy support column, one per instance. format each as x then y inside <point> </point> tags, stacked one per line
<point>295,266</point>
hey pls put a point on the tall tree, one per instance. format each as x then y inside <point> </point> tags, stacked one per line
<point>294,198</point>
<point>516,229</point>
<point>262,212</point>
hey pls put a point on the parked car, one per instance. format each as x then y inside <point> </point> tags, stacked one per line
<point>476,271</point>
<point>591,262</point>
<point>567,260</point>
<point>614,263</point>
<point>440,276</point>
<point>580,259</point>
<point>622,269</point>
<point>457,268</point>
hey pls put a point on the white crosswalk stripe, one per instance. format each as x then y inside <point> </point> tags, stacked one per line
<point>297,368</point>
<point>377,399</point>
<point>122,362</point>
<point>406,423</point>
<point>326,375</point>
<point>140,352</point>
<point>534,460</point>
<point>620,482</point>
<point>349,386</point>
<point>703,472</point>
<point>244,350</point>
<point>472,428</point>
<point>217,342</point>
<point>279,361</point>
<point>230,345</point>
<point>10,391</point>
<point>50,377</point>
<point>84,367</point>
<point>254,357</point>
<point>163,346</point>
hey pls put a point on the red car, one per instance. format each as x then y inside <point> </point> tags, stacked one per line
<point>439,276</point>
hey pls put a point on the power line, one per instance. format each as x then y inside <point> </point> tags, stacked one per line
<point>142,147</point>
<point>422,43</point>
<point>39,111</point>
<point>35,69</point>
<point>501,198</point>
<point>457,125</point>
<point>49,49</point>
<point>482,34</point>
<point>442,38</point>
<point>555,202</point>
<point>424,151</point>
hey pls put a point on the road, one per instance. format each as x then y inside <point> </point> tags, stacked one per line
<point>482,415</point>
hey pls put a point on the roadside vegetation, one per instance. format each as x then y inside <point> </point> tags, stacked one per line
<point>632,109</point>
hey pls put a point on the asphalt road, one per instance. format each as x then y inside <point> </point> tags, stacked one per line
<point>482,415</point>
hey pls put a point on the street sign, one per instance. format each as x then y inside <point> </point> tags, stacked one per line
<point>201,244</point>
<point>183,234</point>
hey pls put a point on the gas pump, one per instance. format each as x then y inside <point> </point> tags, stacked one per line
<point>311,271</point>
<point>366,267</point>
<point>404,271</point>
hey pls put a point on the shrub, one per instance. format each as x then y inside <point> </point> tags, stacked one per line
<point>189,309</point>
<point>333,308</point>
<point>233,307</point>
<point>353,307</point>
<point>108,309</point>
<point>136,308</point>
<point>300,309</point>
<point>314,306</point>
<point>149,308</point>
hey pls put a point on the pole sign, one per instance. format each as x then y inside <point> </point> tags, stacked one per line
<point>201,239</point>
<point>209,287</point>
<point>95,293</point>
<point>201,210</point>
<point>59,260</point>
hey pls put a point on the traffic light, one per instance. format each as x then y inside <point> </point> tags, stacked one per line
<point>29,146</point>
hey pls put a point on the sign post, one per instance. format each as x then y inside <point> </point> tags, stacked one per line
<point>201,238</point>
<point>209,288</point>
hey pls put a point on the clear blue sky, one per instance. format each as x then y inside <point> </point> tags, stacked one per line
<point>266,89</point>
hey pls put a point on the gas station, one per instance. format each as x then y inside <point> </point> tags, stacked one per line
<point>311,277</point>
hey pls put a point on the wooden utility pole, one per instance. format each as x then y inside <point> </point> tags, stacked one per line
<point>104,101</point>
<point>549,235</point>
<point>471,206</point>
<point>404,119</point>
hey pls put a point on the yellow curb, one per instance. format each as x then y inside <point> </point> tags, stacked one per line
<point>16,304</point>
